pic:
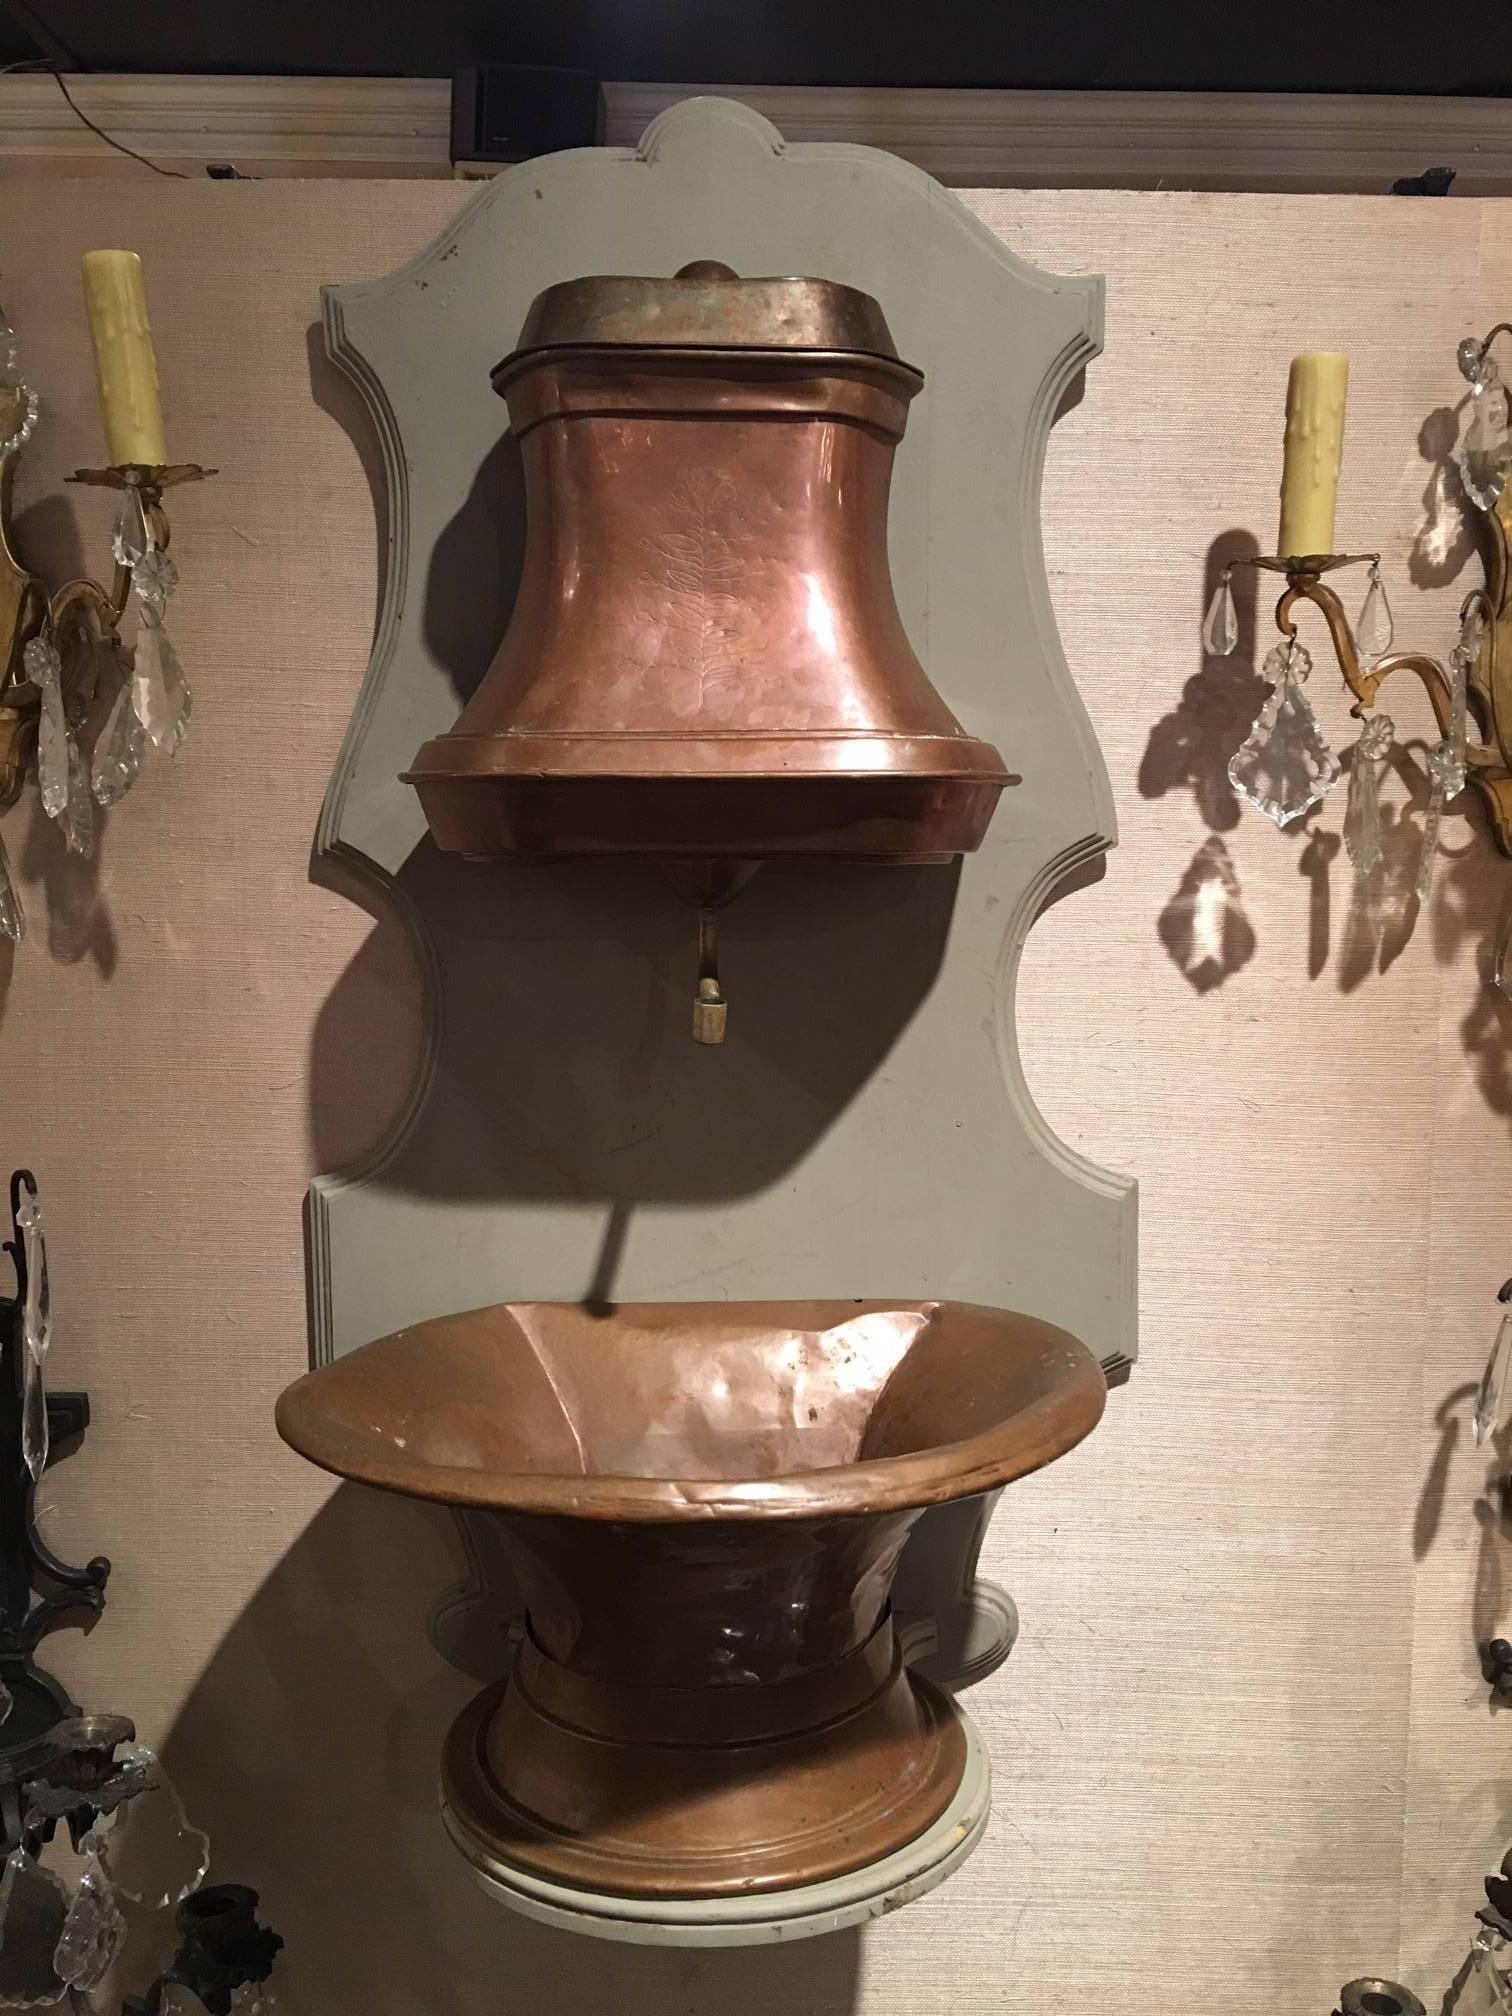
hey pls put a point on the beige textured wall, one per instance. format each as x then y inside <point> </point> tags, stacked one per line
<point>1242,1750</point>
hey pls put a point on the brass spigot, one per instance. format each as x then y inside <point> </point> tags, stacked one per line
<point>709,1005</point>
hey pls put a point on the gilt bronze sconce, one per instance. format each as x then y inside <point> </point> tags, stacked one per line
<point>1285,767</point>
<point>51,641</point>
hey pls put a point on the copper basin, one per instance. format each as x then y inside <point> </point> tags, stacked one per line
<point>705,1503</point>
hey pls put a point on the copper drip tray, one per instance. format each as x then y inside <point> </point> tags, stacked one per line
<point>875,798</point>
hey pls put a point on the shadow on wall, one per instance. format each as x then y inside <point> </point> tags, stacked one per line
<point>568,1069</point>
<point>309,1751</point>
<point>1204,928</point>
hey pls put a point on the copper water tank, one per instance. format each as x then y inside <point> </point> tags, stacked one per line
<point>705,659</point>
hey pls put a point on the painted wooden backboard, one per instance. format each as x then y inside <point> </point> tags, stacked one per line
<point>865,1129</point>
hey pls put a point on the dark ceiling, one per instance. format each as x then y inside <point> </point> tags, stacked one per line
<point>1448,47</point>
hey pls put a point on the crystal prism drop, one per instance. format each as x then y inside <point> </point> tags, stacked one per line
<point>79,812</point>
<point>120,750</point>
<point>255,1998</point>
<point>1362,810</point>
<point>1220,626</point>
<point>177,2000</point>
<point>93,1933</point>
<point>36,1311</point>
<point>1284,766</point>
<point>1461,661</point>
<point>12,916</point>
<point>1374,631</point>
<point>33,1910</point>
<point>159,690</point>
<point>1491,1395</point>
<point>44,668</point>
<point>130,538</point>
<point>18,417</point>
<point>34,1430</point>
<point>1440,779</point>
<point>1485,450</point>
<point>1489,1956</point>
<point>148,1849</point>
<point>36,1334</point>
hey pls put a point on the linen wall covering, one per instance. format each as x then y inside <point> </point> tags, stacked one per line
<point>1242,1751</point>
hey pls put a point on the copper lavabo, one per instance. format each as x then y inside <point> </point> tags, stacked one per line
<point>705,1504</point>
<point>705,659</point>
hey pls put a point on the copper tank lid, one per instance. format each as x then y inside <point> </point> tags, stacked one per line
<point>705,661</point>
<point>705,306</point>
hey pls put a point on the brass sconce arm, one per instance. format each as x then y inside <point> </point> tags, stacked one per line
<point>1488,690</point>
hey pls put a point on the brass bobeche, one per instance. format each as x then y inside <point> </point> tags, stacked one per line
<point>28,610</point>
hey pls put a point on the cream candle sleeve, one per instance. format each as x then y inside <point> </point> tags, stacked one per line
<point>125,367</point>
<point>1315,395</point>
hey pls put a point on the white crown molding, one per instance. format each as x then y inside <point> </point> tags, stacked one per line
<point>375,126</point>
<point>318,126</point>
<point>1325,142</point>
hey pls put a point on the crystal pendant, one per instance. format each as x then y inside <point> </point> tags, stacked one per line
<point>36,1334</point>
<point>18,402</point>
<point>148,1848</point>
<point>130,536</point>
<point>1284,767</point>
<point>93,1932</point>
<point>155,577</point>
<point>12,916</point>
<point>1489,1956</point>
<point>255,1998</point>
<point>119,751</point>
<point>79,812</point>
<point>20,419</point>
<point>36,1311</point>
<point>33,1910</point>
<point>1362,809</point>
<point>35,1438</point>
<point>1461,659</point>
<point>1441,785</point>
<point>1220,626</point>
<point>1375,630</point>
<point>1490,1398</point>
<point>1485,450</point>
<point>44,668</point>
<point>159,690</point>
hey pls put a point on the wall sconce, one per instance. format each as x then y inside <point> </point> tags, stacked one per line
<point>50,642</point>
<point>64,1768</point>
<point>1285,766</point>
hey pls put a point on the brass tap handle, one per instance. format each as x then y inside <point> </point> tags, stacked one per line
<point>710,1008</point>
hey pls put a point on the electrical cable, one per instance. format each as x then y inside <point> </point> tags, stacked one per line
<point>176,174</point>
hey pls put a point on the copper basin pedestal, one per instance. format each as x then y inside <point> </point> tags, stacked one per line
<point>705,1504</point>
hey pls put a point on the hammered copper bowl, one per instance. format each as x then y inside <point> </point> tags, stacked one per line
<point>705,1503</point>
